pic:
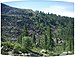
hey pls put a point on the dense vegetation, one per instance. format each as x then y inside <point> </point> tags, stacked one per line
<point>42,33</point>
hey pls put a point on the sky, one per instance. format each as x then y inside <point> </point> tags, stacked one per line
<point>37,0</point>
<point>52,6</point>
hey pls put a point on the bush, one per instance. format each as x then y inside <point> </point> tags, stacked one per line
<point>17,46</point>
<point>26,42</point>
<point>23,50</point>
<point>7,44</point>
<point>51,53</point>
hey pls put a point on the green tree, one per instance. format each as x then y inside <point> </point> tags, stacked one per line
<point>64,46</point>
<point>34,39</point>
<point>20,38</point>
<point>46,43</point>
<point>26,42</point>
<point>39,43</point>
<point>70,46</point>
<point>25,33</point>
<point>51,41</point>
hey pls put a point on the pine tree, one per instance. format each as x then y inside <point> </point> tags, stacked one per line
<point>64,46</point>
<point>46,41</point>
<point>51,41</point>
<point>34,39</point>
<point>20,39</point>
<point>25,33</point>
<point>70,46</point>
<point>39,43</point>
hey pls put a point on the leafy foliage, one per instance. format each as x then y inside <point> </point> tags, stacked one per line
<point>7,44</point>
<point>26,42</point>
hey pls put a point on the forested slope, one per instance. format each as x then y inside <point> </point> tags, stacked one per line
<point>43,28</point>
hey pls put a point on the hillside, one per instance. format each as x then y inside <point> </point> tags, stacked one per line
<point>14,20</point>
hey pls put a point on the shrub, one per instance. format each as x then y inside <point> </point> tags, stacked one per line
<point>17,46</point>
<point>51,53</point>
<point>26,42</point>
<point>23,50</point>
<point>7,44</point>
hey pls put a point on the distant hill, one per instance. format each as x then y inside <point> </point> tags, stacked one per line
<point>14,19</point>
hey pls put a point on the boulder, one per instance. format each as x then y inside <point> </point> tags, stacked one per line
<point>44,51</point>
